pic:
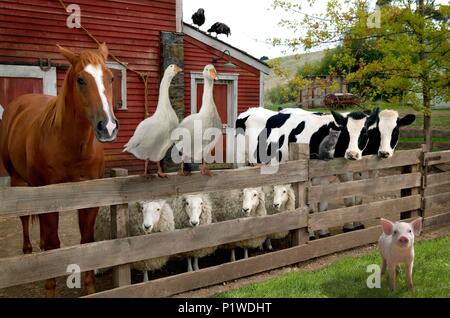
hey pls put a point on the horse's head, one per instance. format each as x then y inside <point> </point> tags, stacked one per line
<point>90,84</point>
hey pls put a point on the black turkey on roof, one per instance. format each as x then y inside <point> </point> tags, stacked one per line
<point>220,28</point>
<point>199,17</point>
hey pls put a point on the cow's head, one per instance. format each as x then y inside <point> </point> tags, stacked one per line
<point>388,127</point>
<point>354,133</point>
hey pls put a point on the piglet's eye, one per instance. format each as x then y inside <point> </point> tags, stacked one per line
<point>409,231</point>
<point>395,232</point>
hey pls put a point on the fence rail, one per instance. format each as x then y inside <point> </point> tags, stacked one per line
<point>418,174</point>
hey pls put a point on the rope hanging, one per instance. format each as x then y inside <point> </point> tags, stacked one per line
<point>142,75</point>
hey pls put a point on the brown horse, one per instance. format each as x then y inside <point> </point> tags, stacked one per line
<point>47,140</point>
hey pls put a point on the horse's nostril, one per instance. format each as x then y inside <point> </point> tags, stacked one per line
<point>100,126</point>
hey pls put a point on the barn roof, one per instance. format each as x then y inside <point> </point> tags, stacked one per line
<point>221,46</point>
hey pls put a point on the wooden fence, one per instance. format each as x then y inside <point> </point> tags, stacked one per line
<point>416,184</point>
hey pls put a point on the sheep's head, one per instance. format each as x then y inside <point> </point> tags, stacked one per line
<point>280,195</point>
<point>193,205</point>
<point>251,197</point>
<point>151,214</point>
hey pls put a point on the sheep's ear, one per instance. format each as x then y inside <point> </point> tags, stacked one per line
<point>387,226</point>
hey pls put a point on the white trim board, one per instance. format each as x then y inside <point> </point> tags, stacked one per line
<point>117,66</point>
<point>48,77</point>
<point>199,36</point>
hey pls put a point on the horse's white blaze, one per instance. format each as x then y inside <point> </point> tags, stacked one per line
<point>354,127</point>
<point>386,126</point>
<point>97,73</point>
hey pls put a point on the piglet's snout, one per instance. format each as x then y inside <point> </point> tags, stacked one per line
<point>403,240</point>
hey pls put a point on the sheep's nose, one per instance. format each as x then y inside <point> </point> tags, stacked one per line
<point>245,210</point>
<point>276,205</point>
<point>194,223</point>
<point>383,154</point>
<point>147,227</point>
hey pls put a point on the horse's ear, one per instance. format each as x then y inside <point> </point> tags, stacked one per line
<point>68,54</point>
<point>103,50</point>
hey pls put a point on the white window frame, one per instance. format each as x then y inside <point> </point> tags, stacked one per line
<point>123,69</point>
<point>49,83</point>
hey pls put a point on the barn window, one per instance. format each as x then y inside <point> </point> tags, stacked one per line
<point>119,85</point>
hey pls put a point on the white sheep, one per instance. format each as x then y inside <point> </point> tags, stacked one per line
<point>194,210</point>
<point>283,200</point>
<point>253,205</point>
<point>157,217</point>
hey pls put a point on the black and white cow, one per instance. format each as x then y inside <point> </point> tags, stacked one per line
<point>384,136</point>
<point>272,139</point>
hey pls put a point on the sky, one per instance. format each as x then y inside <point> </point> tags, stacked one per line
<point>252,22</point>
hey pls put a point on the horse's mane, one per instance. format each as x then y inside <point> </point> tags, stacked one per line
<point>54,111</point>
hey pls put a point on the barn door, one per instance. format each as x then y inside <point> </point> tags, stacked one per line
<point>221,92</point>
<point>16,80</point>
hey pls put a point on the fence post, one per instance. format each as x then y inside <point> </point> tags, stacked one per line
<point>299,152</point>
<point>424,171</point>
<point>119,229</point>
<point>413,191</point>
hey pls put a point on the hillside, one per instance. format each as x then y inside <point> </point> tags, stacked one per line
<point>292,63</point>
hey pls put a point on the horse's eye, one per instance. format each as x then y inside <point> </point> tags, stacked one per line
<point>81,80</point>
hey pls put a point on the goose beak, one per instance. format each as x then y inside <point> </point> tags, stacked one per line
<point>178,69</point>
<point>213,74</point>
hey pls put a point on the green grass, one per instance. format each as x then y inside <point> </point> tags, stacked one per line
<point>347,278</point>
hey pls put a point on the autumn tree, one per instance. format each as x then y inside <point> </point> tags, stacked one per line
<point>400,49</point>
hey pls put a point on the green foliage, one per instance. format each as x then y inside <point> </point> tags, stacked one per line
<point>347,278</point>
<point>400,60</point>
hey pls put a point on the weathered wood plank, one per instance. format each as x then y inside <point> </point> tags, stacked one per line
<point>433,201</point>
<point>360,213</point>
<point>299,152</point>
<point>361,187</point>
<point>172,285</point>
<point>71,196</point>
<point>436,220</point>
<point>437,179</point>
<point>319,168</point>
<point>414,133</point>
<point>434,158</point>
<point>119,229</point>
<point>28,268</point>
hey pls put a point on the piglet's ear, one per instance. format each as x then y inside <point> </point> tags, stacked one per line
<point>387,226</point>
<point>417,226</point>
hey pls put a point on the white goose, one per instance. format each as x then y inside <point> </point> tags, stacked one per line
<point>151,140</point>
<point>209,117</point>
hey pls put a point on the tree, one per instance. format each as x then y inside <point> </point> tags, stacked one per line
<point>405,56</point>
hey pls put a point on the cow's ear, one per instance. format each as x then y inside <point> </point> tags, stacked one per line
<point>407,120</point>
<point>339,119</point>
<point>373,116</point>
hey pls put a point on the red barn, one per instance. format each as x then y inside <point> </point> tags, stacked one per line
<point>146,35</point>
